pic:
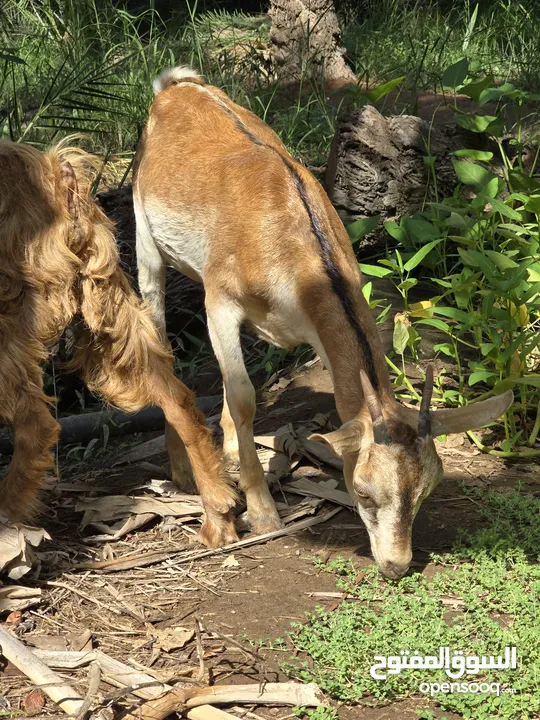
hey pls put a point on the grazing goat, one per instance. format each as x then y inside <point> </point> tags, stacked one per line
<point>58,265</point>
<point>218,197</point>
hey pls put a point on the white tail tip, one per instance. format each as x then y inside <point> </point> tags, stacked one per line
<point>174,75</point>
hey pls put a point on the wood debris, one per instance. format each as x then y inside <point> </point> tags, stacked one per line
<point>16,548</point>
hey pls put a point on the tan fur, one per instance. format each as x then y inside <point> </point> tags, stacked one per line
<point>59,262</point>
<point>218,196</point>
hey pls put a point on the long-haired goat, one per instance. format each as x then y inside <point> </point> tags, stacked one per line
<point>218,196</point>
<point>59,263</point>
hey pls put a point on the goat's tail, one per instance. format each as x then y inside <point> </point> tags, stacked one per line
<point>175,76</point>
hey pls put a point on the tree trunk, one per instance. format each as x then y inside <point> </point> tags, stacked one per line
<point>306,41</point>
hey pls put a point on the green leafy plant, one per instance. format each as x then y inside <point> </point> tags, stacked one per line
<point>490,580</point>
<point>481,249</point>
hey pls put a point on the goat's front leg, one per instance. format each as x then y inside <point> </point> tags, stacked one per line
<point>217,495</point>
<point>35,433</point>
<point>224,321</point>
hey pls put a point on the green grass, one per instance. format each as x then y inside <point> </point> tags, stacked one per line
<point>421,39</point>
<point>495,578</point>
<point>87,65</point>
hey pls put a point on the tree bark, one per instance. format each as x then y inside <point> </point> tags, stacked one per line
<point>306,41</point>
<point>377,166</point>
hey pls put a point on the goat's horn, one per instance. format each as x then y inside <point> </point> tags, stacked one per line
<point>424,418</point>
<point>380,431</point>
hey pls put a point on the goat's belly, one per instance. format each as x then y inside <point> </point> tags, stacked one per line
<point>281,337</point>
<point>182,243</point>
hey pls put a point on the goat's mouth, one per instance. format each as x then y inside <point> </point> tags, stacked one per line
<point>392,565</point>
<point>394,571</point>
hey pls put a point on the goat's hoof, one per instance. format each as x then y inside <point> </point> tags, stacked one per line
<point>215,534</point>
<point>265,524</point>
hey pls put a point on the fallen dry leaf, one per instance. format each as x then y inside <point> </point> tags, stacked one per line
<point>16,543</point>
<point>230,561</point>
<point>17,597</point>
<point>34,702</point>
<point>173,638</point>
<point>281,384</point>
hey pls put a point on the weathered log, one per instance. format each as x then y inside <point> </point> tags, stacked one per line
<point>306,41</point>
<point>377,166</point>
<point>82,428</point>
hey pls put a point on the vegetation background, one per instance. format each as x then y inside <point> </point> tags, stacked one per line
<point>86,67</point>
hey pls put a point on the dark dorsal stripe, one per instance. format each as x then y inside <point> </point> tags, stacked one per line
<point>339,285</point>
<point>337,281</point>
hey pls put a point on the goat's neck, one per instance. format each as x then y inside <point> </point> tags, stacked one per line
<point>346,355</point>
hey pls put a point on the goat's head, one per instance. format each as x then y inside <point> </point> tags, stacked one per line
<point>391,465</point>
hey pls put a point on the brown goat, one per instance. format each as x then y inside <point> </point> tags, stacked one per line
<point>59,264</point>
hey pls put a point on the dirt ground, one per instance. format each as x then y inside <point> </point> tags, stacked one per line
<point>239,602</point>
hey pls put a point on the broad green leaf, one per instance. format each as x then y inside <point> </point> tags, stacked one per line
<point>476,259</point>
<point>455,75</point>
<point>406,285</point>
<point>400,337</point>
<point>362,227</point>
<point>374,270</point>
<point>470,174</point>
<point>436,323</point>
<point>496,93</point>
<point>455,314</point>
<point>381,90</point>
<point>503,262</point>
<point>481,155</point>
<point>523,182</point>
<point>481,376</point>
<point>475,123</point>
<point>474,89</point>
<point>486,348</point>
<point>445,348</point>
<point>533,204</point>
<point>420,255</point>
<point>504,209</point>
<point>393,229</point>
<point>419,229</point>
<point>508,383</point>
<point>366,291</point>
<point>534,272</point>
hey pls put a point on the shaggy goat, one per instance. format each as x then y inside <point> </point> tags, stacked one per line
<point>59,264</point>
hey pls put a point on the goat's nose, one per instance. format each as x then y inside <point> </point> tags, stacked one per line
<point>393,570</point>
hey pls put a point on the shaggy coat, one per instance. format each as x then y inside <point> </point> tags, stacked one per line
<point>59,266</point>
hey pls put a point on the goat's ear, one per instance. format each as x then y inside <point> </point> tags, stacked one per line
<point>345,440</point>
<point>456,420</point>
<point>472,416</point>
<point>71,188</point>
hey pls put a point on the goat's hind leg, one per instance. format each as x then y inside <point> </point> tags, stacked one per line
<point>224,321</point>
<point>35,433</point>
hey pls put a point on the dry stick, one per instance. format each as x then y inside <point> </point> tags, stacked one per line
<point>207,712</point>
<point>55,583</point>
<point>152,558</point>
<point>200,650</point>
<point>94,679</point>
<point>43,677</point>
<point>308,695</point>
